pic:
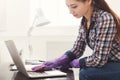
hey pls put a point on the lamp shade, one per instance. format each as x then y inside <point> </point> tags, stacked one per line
<point>39,21</point>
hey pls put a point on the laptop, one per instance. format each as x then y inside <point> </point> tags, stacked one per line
<point>21,66</point>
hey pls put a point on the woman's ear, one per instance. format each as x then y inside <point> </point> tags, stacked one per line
<point>90,1</point>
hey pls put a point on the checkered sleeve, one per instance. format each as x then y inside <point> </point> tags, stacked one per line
<point>105,33</point>
<point>79,45</point>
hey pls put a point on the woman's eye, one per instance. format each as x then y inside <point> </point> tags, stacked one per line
<point>74,7</point>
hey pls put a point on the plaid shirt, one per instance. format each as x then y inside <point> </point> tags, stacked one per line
<point>100,37</point>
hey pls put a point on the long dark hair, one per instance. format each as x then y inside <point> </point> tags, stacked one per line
<point>102,4</point>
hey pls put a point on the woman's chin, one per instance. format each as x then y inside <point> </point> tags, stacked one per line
<point>77,16</point>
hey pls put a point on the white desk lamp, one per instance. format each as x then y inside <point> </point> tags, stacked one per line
<point>39,21</point>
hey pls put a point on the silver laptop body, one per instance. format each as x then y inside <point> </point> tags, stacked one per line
<point>21,67</point>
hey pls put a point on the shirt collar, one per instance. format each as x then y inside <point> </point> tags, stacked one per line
<point>95,14</point>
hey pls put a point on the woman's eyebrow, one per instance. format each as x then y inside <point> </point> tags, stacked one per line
<point>71,5</point>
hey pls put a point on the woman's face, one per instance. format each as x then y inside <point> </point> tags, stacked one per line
<point>78,8</point>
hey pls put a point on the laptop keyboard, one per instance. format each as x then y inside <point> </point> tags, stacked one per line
<point>38,73</point>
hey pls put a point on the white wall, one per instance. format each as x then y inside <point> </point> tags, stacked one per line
<point>3,15</point>
<point>16,17</point>
<point>115,5</point>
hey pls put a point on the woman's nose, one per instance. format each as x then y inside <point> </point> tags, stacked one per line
<point>71,11</point>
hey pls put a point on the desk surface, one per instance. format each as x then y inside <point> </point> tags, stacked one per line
<point>6,74</point>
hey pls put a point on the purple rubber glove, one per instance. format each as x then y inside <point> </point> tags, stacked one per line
<point>57,63</point>
<point>75,63</point>
<point>38,68</point>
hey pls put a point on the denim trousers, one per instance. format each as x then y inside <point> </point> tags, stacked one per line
<point>110,71</point>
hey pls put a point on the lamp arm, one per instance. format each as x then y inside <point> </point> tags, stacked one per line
<point>29,36</point>
<point>32,27</point>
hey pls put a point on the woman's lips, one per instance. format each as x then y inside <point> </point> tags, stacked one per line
<point>75,15</point>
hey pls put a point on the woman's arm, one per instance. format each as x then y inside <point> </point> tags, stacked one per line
<point>105,34</point>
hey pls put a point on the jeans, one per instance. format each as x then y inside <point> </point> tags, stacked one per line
<point>110,71</point>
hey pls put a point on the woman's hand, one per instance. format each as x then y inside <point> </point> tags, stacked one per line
<point>62,62</point>
<point>75,63</point>
<point>38,68</point>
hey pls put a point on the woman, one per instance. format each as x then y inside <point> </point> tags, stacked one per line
<point>100,30</point>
